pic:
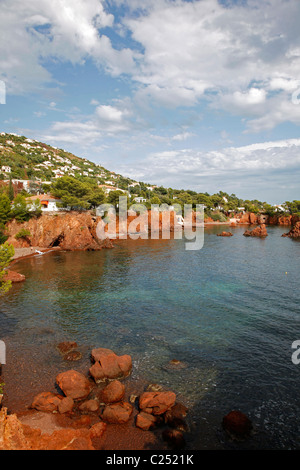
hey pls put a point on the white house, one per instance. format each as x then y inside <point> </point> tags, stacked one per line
<point>6,169</point>
<point>140,199</point>
<point>48,202</point>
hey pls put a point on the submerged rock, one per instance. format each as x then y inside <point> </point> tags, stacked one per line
<point>156,403</point>
<point>225,234</point>
<point>237,424</point>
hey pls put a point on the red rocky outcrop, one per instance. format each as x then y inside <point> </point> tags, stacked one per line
<point>260,232</point>
<point>294,233</point>
<point>70,231</point>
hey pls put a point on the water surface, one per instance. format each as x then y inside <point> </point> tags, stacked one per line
<point>229,312</point>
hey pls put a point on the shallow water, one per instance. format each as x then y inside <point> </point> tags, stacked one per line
<point>229,312</point>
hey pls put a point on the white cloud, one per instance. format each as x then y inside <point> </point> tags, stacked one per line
<point>257,168</point>
<point>67,30</point>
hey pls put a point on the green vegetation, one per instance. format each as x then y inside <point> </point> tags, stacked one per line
<point>23,233</point>
<point>2,385</point>
<point>75,181</point>
<point>6,254</point>
<point>77,195</point>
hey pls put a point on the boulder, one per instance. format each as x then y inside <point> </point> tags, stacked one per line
<point>117,413</point>
<point>112,393</point>
<point>74,384</point>
<point>145,421</point>
<point>237,424</point>
<point>175,417</point>
<point>97,430</point>
<point>46,401</point>
<point>89,405</point>
<point>108,365</point>
<point>260,232</point>
<point>66,405</point>
<point>156,403</point>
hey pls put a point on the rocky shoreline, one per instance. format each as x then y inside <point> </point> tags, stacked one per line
<point>98,410</point>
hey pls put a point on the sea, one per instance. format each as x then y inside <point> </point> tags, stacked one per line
<point>228,314</point>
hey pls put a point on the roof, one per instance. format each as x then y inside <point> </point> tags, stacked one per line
<point>44,197</point>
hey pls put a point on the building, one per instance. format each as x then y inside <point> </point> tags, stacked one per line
<point>6,169</point>
<point>48,202</point>
<point>140,199</point>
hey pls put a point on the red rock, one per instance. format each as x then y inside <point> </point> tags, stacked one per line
<point>46,401</point>
<point>175,417</point>
<point>237,424</point>
<point>89,405</point>
<point>225,234</point>
<point>71,231</point>
<point>73,356</point>
<point>66,346</point>
<point>174,438</point>
<point>294,232</point>
<point>74,384</point>
<point>157,403</point>
<point>260,231</point>
<point>97,430</point>
<point>13,276</point>
<point>65,405</point>
<point>145,421</point>
<point>112,393</point>
<point>117,413</point>
<point>108,365</point>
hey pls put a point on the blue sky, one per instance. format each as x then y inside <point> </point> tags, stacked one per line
<point>197,94</point>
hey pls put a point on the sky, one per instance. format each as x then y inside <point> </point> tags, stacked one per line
<point>189,94</point>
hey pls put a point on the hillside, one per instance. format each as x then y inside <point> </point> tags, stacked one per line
<point>26,159</point>
<point>30,164</point>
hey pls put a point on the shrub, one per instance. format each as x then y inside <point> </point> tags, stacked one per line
<point>23,233</point>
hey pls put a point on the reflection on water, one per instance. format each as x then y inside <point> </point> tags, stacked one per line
<point>228,311</point>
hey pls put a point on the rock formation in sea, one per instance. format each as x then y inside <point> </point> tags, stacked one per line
<point>294,232</point>
<point>70,231</point>
<point>225,234</point>
<point>260,232</point>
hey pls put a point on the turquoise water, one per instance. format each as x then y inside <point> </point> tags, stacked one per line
<point>229,312</point>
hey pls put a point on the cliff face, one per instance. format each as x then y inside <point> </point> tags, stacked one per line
<point>253,219</point>
<point>70,231</point>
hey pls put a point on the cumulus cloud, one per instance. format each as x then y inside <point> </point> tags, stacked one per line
<point>257,168</point>
<point>37,31</point>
